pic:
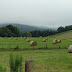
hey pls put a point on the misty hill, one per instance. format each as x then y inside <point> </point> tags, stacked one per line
<point>26,28</point>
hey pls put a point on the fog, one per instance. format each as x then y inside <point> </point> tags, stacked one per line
<point>47,13</point>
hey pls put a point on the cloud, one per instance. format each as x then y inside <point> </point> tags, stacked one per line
<point>49,13</point>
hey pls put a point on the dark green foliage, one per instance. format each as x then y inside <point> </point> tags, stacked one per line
<point>13,29</point>
<point>61,29</point>
<point>41,33</point>
<point>9,31</point>
<point>67,28</point>
<point>27,34</point>
<point>15,63</point>
<point>17,47</point>
<point>5,32</point>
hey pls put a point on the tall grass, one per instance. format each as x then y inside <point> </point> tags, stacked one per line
<point>15,63</point>
<point>2,69</point>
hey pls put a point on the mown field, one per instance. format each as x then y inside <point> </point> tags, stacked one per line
<point>22,43</point>
<point>54,59</point>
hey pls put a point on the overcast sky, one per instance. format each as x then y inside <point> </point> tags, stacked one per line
<point>49,13</point>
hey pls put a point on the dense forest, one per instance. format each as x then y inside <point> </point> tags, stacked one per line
<point>12,31</point>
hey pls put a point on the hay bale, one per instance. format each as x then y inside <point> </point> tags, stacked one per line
<point>44,40</point>
<point>63,38</point>
<point>16,38</point>
<point>6,37</point>
<point>33,43</point>
<point>55,41</point>
<point>40,36</point>
<point>25,37</point>
<point>58,41</point>
<point>71,40</point>
<point>10,38</point>
<point>28,40</point>
<point>70,49</point>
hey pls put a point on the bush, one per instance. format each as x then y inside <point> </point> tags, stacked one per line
<point>15,63</point>
<point>17,47</point>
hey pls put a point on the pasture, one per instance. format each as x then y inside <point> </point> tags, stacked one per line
<point>53,60</point>
<point>22,43</point>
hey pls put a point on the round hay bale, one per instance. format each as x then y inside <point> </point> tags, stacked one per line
<point>70,49</point>
<point>55,41</point>
<point>40,36</point>
<point>28,40</point>
<point>58,41</point>
<point>33,43</point>
<point>10,38</point>
<point>6,37</point>
<point>44,40</point>
<point>16,38</point>
<point>25,37</point>
<point>63,38</point>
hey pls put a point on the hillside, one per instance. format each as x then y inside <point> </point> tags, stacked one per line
<point>26,28</point>
<point>66,34</point>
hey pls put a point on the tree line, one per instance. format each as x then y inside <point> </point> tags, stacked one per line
<point>12,31</point>
<point>63,29</point>
<point>9,31</point>
<point>44,33</point>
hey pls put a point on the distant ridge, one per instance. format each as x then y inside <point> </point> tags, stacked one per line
<point>26,28</point>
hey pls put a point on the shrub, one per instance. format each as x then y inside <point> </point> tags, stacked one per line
<point>15,63</point>
<point>17,47</point>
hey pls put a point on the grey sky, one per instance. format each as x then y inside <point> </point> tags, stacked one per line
<point>49,13</point>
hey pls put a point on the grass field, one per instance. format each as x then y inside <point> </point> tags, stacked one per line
<point>54,60</point>
<point>66,34</point>
<point>21,43</point>
<point>45,60</point>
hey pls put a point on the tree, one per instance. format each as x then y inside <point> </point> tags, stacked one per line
<point>67,28</point>
<point>61,29</point>
<point>27,34</point>
<point>5,32</point>
<point>14,30</point>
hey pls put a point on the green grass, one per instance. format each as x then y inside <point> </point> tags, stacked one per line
<point>66,34</point>
<point>48,60</point>
<point>54,60</point>
<point>21,43</point>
